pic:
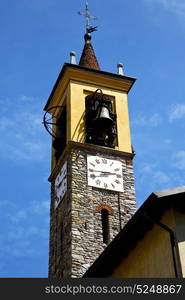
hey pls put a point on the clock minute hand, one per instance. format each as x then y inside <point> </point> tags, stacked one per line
<point>104,172</point>
<point>109,173</point>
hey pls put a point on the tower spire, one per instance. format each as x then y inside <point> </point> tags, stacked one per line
<point>88,58</point>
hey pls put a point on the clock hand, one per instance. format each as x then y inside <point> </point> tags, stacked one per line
<point>108,173</point>
<point>104,172</point>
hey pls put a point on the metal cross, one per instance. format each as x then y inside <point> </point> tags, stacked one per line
<point>88,17</point>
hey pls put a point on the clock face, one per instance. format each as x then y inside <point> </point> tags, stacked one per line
<point>105,173</point>
<point>61,184</point>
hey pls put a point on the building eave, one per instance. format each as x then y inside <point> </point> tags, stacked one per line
<point>104,74</point>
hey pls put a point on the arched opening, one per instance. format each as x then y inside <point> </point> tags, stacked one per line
<point>105,225</point>
<point>100,121</point>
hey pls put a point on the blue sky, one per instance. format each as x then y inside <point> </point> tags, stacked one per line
<point>148,36</point>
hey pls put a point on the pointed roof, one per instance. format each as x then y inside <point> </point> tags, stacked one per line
<point>88,58</point>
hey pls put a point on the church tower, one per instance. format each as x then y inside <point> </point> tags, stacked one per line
<point>92,180</point>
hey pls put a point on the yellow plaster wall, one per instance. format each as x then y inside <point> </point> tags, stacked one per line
<point>152,256</point>
<point>78,91</point>
<point>59,100</point>
<point>73,87</point>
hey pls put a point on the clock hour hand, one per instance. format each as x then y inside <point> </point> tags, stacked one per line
<point>108,173</point>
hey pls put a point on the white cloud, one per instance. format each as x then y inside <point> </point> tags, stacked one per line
<point>176,112</point>
<point>140,120</point>
<point>22,249</point>
<point>40,207</point>
<point>24,227</point>
<point>155,120</point>
<point>154,176</point>
<point>31,151</point>
<point>20,233</point>
<point>23,138</point>
<point>6,124</point>
<point>179,160</point>
<point>25,98</point>
<point>147,168</point>
<point>20,239</point>
<point>152,121</point>
<point>23,152</point>
<point>21,215</point>
<point>4,203</point>
<point>16,233</point>
<point>168,141</point>
<point>159,177</point>
<point>174,6</point>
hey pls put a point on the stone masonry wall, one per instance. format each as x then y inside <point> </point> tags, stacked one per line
<point>76,227</point>
<point>87,239</point>
<point>60,237</point>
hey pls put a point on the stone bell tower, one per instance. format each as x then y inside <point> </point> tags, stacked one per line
<point>92,180</point>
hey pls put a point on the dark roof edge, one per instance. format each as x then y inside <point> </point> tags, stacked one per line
<point>89,70</point>
<point>169,192</point>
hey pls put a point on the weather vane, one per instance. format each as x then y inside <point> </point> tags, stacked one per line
<point>88,17</point>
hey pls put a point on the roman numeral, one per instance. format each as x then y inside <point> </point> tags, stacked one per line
<point>104,161</point>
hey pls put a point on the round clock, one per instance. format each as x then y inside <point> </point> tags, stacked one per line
<point>104,173</point>
<point>61,184</point>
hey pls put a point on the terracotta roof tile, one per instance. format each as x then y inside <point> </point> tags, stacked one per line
<point>88,58</point>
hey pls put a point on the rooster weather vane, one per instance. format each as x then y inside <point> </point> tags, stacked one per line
<point>88,17</point>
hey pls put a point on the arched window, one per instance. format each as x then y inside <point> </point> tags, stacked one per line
<point>105,210</point>
<point>105,225</point>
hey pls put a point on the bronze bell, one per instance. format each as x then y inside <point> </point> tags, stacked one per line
<point>103,119</point>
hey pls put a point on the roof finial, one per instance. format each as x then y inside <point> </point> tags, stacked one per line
<point>88,17</point>
<point>120,68</point>
<point>73,57</point>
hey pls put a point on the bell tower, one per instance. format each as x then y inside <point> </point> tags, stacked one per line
<point>92,180</point>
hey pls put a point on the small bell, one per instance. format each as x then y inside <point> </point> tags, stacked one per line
<point>103,120</point>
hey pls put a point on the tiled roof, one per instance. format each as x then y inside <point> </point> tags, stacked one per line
<point>88,58</point>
